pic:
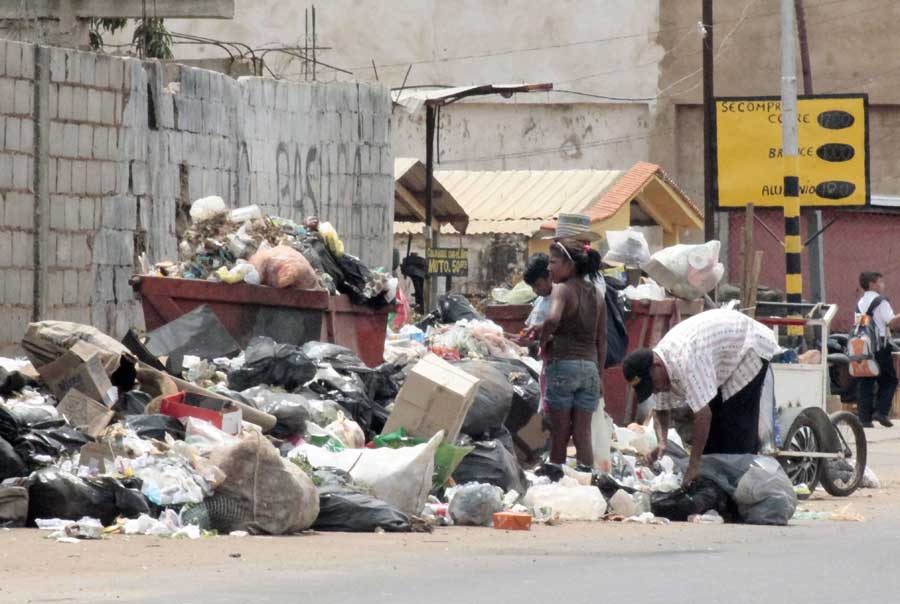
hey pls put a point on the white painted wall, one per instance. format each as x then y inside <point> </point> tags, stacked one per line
<point>605,47</point>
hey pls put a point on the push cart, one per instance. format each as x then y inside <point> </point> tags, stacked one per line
<point>812,446</point>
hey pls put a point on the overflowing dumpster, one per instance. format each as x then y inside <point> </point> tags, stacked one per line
<point>289,316</point>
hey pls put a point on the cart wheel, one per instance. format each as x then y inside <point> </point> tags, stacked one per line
<point>841,477</point>
<point>803,436</point>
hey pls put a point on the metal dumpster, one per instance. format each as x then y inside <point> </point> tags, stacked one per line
<point>511,317</point>
<point>646,323</point>
<point>287,315</point>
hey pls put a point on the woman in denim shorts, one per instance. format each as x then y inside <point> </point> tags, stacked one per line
<point>573,338</point>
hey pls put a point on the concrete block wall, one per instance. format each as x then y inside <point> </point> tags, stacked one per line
<point>100,156</point>
<point>16,191</point>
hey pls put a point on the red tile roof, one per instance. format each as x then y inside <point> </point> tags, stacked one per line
<point>625,189</point>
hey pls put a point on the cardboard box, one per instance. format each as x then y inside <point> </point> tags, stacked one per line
<point>222,414</point>
<point>80,368</point>
<point>436,396</point>
<point>84,413</point>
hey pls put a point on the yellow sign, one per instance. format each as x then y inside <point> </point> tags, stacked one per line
<point>449,262</point>
<point>833,144</point>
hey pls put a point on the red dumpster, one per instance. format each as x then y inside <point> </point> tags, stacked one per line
<point>287,315</point>
<point>511,317</point>
<point>646,323</point>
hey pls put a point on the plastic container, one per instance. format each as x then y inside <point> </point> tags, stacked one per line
<point>245,214</point>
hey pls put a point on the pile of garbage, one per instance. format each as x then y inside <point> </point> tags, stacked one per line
<point>243,245</point>
<point>183,433</point>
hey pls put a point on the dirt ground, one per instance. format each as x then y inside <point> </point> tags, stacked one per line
<point>150,569</point>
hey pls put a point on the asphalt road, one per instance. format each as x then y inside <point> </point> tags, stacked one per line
<point>817,561</point>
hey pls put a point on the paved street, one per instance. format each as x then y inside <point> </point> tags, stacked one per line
<point>809,561</point>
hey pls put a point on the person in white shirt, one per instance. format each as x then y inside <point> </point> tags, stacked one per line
<point>715,363</point>
<point>869,406</point>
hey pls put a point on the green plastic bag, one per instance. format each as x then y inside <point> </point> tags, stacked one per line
<point>446,458</point>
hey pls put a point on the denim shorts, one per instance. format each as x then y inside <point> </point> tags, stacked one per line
<point>573,385</point>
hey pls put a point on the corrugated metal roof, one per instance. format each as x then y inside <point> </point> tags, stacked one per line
<point>409,174</point>
<point>518,201</point>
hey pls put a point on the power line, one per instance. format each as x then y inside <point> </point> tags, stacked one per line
<point>577,43</point>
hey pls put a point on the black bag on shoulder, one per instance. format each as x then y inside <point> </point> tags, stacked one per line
<point>616,334</point>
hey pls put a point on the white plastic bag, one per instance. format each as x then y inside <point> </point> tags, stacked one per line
<point>602,428</point>
<point>401,477</point>
<point>627,247</point>
<point>688,271</point>
<point>347,431</point>
<point>623,504</point>
<point>568,500</point>
<point>208,208</point>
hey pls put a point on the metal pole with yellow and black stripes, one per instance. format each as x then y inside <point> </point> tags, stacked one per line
<point>789,126</point>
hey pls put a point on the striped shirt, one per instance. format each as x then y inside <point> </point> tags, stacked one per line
<point>715,350</point>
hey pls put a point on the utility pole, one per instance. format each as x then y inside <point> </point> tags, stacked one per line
<point>709,107</point>
<point>814,220</point>
<point>792,243</point>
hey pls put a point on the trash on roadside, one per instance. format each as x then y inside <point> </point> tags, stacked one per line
<point>475,504</point>
<point>870,480</point>
<point>85,528</point>
<point>512,521</point>
<point>567,499</point>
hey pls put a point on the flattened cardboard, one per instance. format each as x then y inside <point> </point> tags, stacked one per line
<point>80,368</point>
<point>84,413</point>
<point>436,396</point>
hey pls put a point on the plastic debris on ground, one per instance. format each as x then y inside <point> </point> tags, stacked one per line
<point>566,499</point>
<point>475,504</point>
<point>66,530</point>
<point>845,514</point>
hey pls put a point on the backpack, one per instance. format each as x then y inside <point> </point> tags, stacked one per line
<point>864,343</point>
<point>616,334</point>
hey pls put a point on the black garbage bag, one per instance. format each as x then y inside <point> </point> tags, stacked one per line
<point>314,249</point>
<point>267,362</point>
<point>53,493</point>
<point>609,485</point>
<point>290,418</point>
<point>12,381</point>
<point>384,382</point>
<point>339,357</point>
<point>51,442</point>
<point>493,400</point>
<point>199,333</point>
<point>456,307</point>
<point>29,416</point>
<point>700,497</point>
<point>355,277</point>
<point>155,426</point>
<point>345,507</point>
<point>526,393</point>
<point>11,464</point>
<point>491,463</point>
<point>9,425</point>
<point>133,402</point>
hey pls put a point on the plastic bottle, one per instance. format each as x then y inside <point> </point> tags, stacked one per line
<point>245,214</point>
